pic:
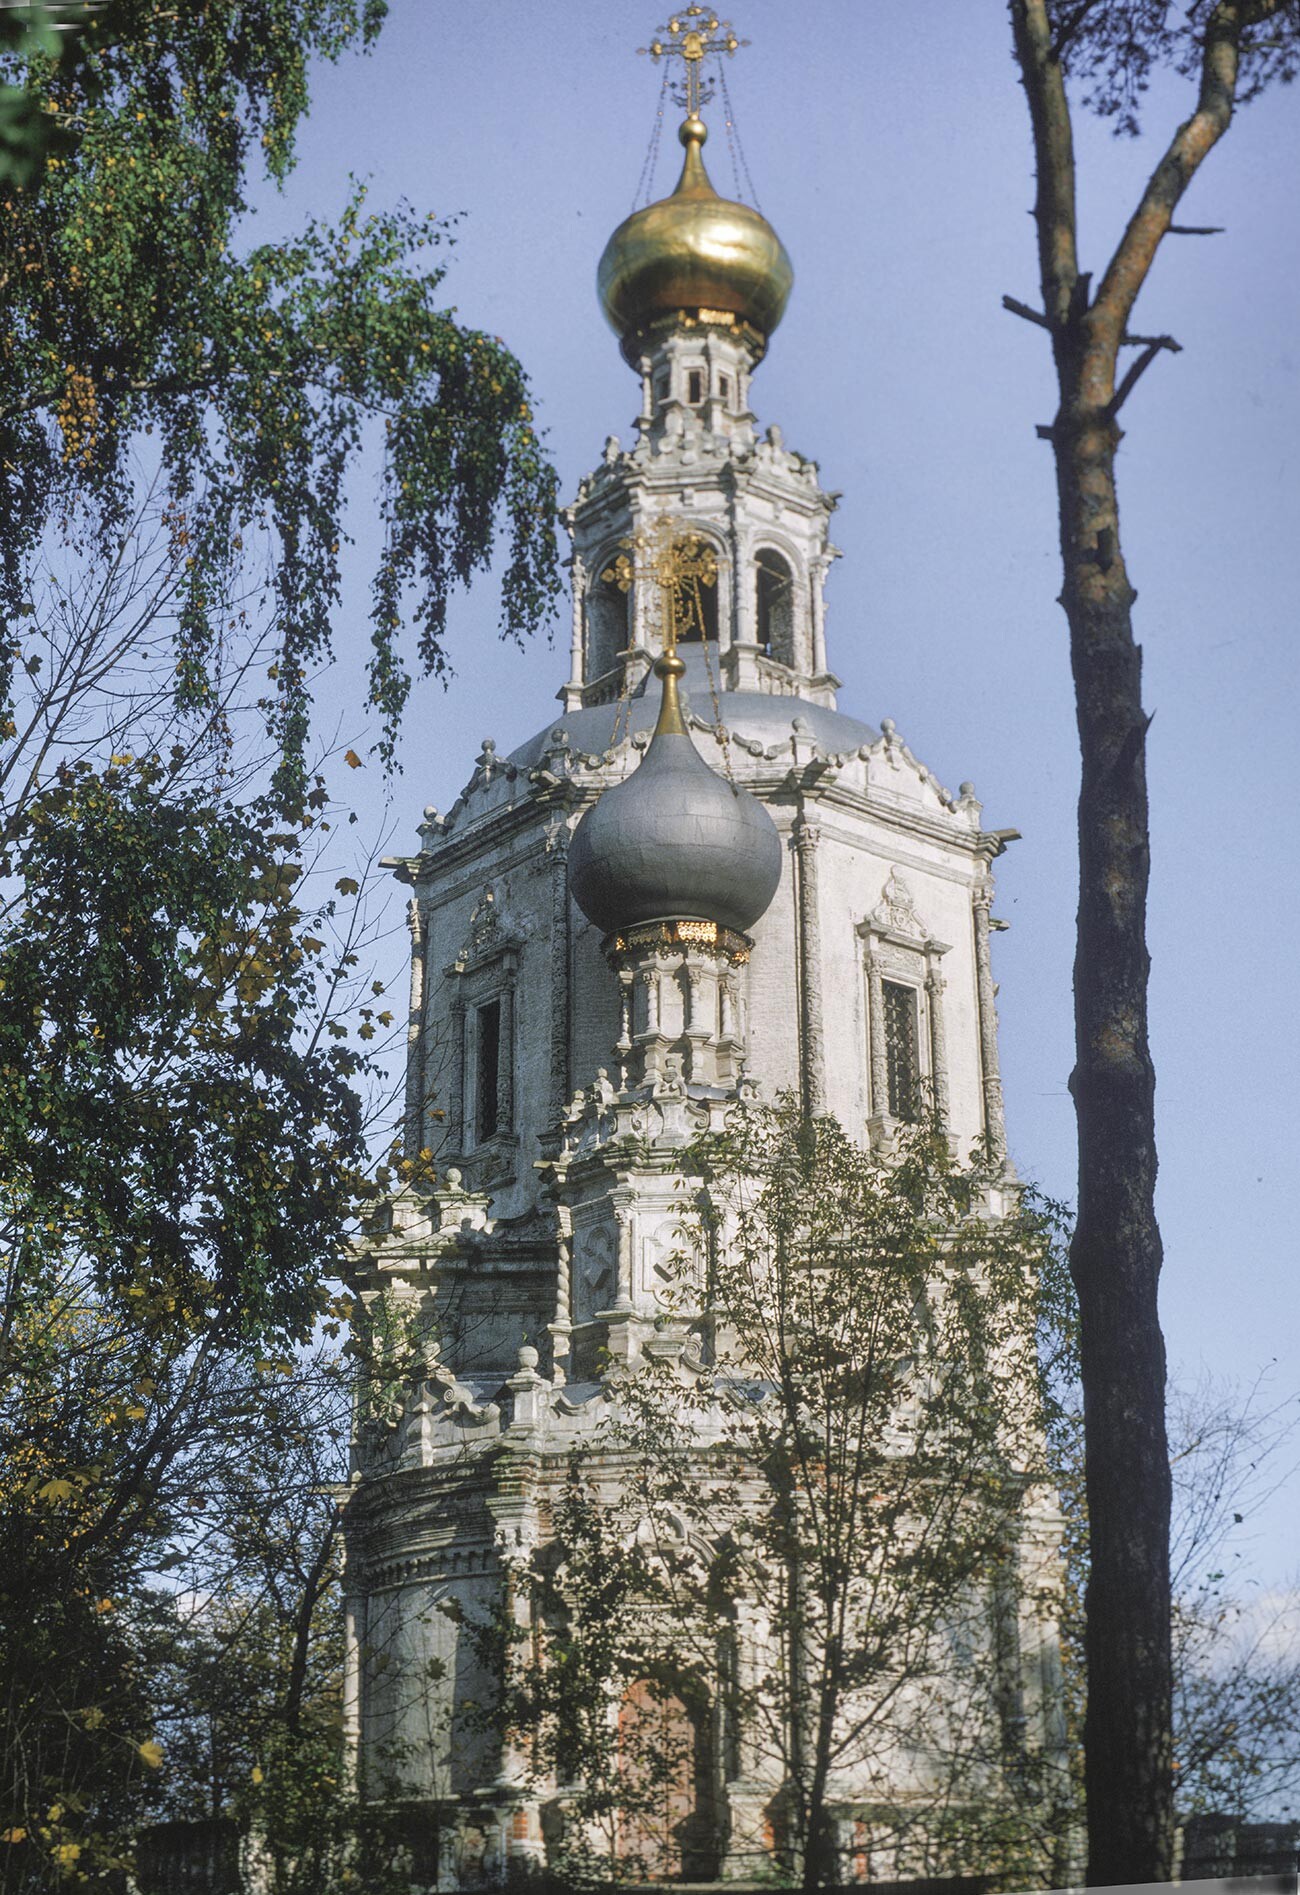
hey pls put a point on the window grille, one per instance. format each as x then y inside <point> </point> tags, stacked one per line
<point>487,1090</point>
<point>902,1060</point>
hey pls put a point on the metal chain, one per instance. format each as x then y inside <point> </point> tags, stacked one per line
<point>719,726</point>
<point>733,131</point>
<point>645,182</point>
<point>729,126</point>
<point>623,708</point>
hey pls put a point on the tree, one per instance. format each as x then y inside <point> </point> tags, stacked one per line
<point>1236,1658</point>
<point>28,135</point>
<point>131,313</point>
<point>829,1471</point>
<point>179,1170</point>
<point>182,1137</point>
<point>1231,49</point>
<point>247,1654</point>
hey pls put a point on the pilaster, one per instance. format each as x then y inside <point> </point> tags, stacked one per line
<point>995,1126</point>
<point>812,1040</point>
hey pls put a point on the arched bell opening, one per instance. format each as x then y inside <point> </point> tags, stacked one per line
<point>775,617</point>
<point>607,627</point>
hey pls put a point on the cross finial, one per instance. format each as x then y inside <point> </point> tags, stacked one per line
<point>691,36</point>
<point>679,564</point>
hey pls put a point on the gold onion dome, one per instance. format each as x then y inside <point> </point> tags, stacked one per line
<point>694,251</point>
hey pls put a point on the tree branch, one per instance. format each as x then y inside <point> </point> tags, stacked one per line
<point>1190,146</point>
<point>1069,29</point>
<point>1049,116</point>
<point>1018,308</point>
<point>1137,369</point>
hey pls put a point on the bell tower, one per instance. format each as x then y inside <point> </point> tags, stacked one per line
<point>694,286</point>
<point>700,883</point>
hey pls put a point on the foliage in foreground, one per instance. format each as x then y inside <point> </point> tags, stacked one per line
<point>132,309</point>
<point>823,1474</point>
<point>179,1167</point>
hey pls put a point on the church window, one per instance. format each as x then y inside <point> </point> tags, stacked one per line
<point>902,1062</point>
<point>695,386</point>
<point>487,1076</point>
<point>775,584</point>
<point>724,387</point>
<point>661,387</point>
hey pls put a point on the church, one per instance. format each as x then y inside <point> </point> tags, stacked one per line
<point>699,882</point>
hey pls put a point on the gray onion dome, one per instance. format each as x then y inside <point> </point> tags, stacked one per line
<point>674,841</point>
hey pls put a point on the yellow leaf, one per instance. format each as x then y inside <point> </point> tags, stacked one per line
<point>352,760</point>
<point>13,1835</point>
<point>151,1753</point>
<point>257,1773</point>
<point>56,1490</point>
<point>66,1854</point>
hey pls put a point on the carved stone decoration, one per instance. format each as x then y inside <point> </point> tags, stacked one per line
<point>416,1101</point>
<point>484,971</point>
<point>897,947</point>
<point>896,910</point>
<point>934,987</point>
<point>876,1030</point>
<point>484,928</point>
<point>557,845</point>
<point>455,1142</point>
<point>596,1283</point>
<point>812,1046</point>
<point>995,1124</point>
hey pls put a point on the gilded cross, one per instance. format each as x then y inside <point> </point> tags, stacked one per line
<point>691,36</point>
<point>679,564</point>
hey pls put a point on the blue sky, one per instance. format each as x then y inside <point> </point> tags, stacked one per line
<point>889,146</point>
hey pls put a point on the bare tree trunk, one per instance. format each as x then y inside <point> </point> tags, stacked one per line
<point>1116,1253</point>
<point>820,1864</point>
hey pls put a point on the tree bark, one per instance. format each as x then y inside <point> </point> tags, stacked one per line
<point>1115,1256</point>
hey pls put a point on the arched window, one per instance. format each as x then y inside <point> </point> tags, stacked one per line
<point>607,627</point>
<point>775,583</point>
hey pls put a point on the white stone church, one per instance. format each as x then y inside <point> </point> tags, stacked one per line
<point>699,881</point>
